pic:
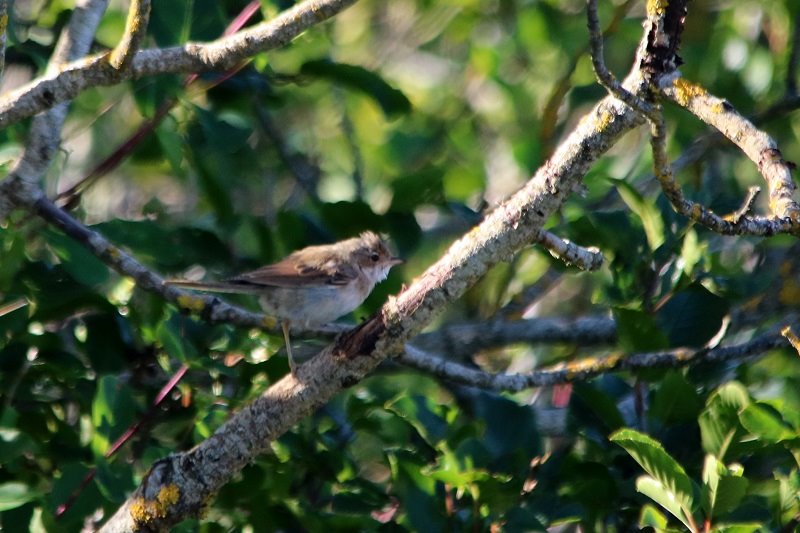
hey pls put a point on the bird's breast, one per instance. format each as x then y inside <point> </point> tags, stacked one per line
<point>313,306</point>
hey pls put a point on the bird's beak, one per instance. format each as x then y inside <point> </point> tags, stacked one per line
<point>395,261</point>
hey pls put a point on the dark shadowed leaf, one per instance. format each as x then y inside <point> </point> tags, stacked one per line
<point>692,316</point>
<point>391,100</point>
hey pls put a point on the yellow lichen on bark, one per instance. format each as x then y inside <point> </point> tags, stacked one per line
<point>576,368</point>
<point>686,90</point>
<point>269,322</point>
<point>604,118</point>
<point>192,303</point>
<point>656,7</point>
<point>144,511</point>
<point>793,339</point>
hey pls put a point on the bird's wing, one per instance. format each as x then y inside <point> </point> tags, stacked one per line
<point>291,273</point>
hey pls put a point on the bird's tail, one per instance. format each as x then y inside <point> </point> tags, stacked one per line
<point>212,286</point>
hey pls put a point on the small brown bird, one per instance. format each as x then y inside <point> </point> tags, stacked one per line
<point>312,286</point>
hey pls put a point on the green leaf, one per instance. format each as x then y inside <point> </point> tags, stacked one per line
<point>763,421</point>
<point>676,400</point>
<point>692,251</point>
<point>511,430</point>
<point>392,101</point>
<point>428,418</point>
<point>113,410</point>
<point>659,493</point>
<point>730,492</point>
<point>665,470</point>
<point>692,316</point>
<point>638,331</point>
<point>171,142</point>
<point>788,494</point>
<point>14,494</point>
<point>719,421</point>
<point>646,210</point>
<point>723,488</point>
<point>82,265</point>
<point>166,247</point>
<point>171,341</point>
<point>600,404</point>
<point>420,188</point>
<point>711,475</point>
<point>652,517</point>
<point>738,528</point>
<point>113,480</point>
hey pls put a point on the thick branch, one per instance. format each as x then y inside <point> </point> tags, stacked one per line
<point>515,224</point>
<point>222,54</point>
<point>180,485</point>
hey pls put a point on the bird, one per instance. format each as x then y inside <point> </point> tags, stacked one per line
<point>311,286</point>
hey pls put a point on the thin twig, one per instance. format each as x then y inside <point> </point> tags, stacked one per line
<point>355,151</point>
<point>606,79</point>
<point>210,308</point>
<point>747,205</point>
<point>792,337</point>
<point>132,430</point>
<point>549,115</point>
<point>121,56</point>
<point>756,144</point>
<point>12,306</point>
<point>3,33</point>
<point>588,259</point>
<point>585,369</point>
<point>743,225</point>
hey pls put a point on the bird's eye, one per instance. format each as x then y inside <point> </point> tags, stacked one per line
<point>374,257</point>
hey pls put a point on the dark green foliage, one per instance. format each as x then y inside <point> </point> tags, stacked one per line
<point>425,117</point>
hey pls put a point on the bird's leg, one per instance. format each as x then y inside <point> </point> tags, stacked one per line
<point>285,327</point>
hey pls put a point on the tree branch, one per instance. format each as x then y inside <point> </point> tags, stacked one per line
<point>45,133</point>
<point>757,145</point>
<point>588,259</point>
<point>135,30</point>
<point>3,33</point>
<point>70,197</point>
<point>209,307</point>
<point>222,54</point>
<point>463,339</point>
<point>179,485</point>
<point>585,369</point>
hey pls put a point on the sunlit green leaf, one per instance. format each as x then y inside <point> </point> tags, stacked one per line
<point>13,494</point>
<point>665,471</point>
